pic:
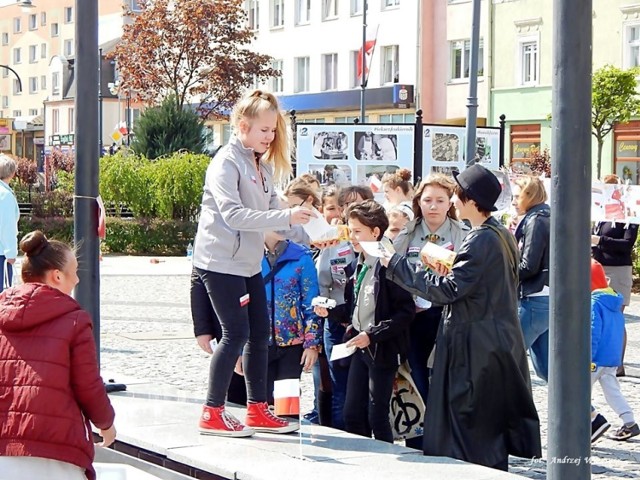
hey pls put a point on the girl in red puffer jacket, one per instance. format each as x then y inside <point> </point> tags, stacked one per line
<point>50,385</point>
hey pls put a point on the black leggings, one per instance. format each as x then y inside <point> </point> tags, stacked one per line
<point>241,324</point>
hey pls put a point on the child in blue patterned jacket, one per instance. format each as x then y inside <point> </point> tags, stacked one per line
<point>291,283</point>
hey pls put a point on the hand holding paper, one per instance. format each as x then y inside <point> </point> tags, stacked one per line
<point>320,231</point>
<point>382,249</point>
<point>439,258</point>
<point>341,351</point>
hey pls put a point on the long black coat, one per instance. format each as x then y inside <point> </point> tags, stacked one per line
<point>480,407</point>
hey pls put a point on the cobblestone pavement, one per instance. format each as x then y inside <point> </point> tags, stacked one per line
<point>147,334</point>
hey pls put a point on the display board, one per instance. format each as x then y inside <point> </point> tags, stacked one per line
<point>345,154</point>
<point>443,148</point>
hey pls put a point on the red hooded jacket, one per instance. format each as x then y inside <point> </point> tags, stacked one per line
<point>50,385</point>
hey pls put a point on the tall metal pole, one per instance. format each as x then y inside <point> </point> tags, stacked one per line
<point>570,335</point>
<point>100,142</point>
<point>363,85</point>
<point>472,100</point>
<point>86,187</point>
<point>128,119</point>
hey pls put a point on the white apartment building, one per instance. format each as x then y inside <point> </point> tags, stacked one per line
<point>38,43</point>
<point>316,43</point>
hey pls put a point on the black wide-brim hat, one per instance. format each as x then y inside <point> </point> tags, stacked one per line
<point>480,185</point>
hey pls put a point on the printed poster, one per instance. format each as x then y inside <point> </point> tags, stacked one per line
<point>345,154</point>
<point>444,146</point>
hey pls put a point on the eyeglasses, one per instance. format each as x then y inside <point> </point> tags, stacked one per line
<point>298,205</point>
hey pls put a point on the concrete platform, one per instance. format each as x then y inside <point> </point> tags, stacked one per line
<point>162,429</point>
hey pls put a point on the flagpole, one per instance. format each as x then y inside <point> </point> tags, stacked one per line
<point>363,78</point>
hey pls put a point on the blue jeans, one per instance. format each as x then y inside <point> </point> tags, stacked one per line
<point>339,372</point>
<point>6,281</point>
<point>534,319</point>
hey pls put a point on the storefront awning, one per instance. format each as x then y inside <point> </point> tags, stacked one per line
<point>30,122</point>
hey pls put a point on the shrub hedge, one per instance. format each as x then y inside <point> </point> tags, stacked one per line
<point>129,236</point>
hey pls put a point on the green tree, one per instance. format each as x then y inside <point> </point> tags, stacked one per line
<point>614,100</point>
<point>167,129</point>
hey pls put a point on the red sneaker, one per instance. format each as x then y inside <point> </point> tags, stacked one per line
<point>217,421</point>
<point>260,418</point>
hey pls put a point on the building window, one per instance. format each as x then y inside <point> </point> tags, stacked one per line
<point>68,14</point>
<point>350,119</point>
<point>330,71</point>
<point>17,25</point>
<point>303,12</point>
<point>302,75</point>
<point>461,58</point>
<point>33,53</point>
<point>390,64</point>
<point>43,82</point>
<point>5,101</point>
<point>55,82</point>
<point>33,22</point>
<point>17,56</point>
<point>5,73</point>
<point>627,151</point>
<point>356,7</point>
<point>134,6</point>
<point>354,79</point>
<point>16,87</point>
<point>631,54</point>
<point>253,14</point>
<point>68,48</point>
<point>5,38</point>
<point>55,29</point>
<point>17,113</point>
<point>525,141</point>
<point>71,123</point>
<point>33,84</point>
<point>277,83</point>
<point>528,61</point>
<point>390,3</point>
<point>398,118</point>
<point>55,120</point>
<point>43,50</point>
<point>33,111</point>
<point>329,9</point>
<point>277,13</point>
<point>43,19</point>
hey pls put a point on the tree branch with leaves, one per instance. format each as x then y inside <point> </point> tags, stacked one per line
<point>194,50</point>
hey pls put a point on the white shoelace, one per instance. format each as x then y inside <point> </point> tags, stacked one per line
<point>231,422</point>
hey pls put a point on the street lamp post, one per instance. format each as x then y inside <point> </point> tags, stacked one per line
<point>85,224</point>
<point>16,74</point>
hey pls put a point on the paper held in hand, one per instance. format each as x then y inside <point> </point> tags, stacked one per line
<point>432,254</point>
<point>341,351</point>
<point>320,231</point>
<point>382,249</point>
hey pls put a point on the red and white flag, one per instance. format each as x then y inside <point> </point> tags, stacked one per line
<point>286,396</point>
<point>369,47</point>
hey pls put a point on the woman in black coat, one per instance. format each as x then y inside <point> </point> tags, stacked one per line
<point>480,408</point>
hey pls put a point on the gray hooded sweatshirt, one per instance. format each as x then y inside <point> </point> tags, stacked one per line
<point>237,208</point>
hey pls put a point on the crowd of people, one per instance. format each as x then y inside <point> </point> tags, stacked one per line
<point>463,329</point>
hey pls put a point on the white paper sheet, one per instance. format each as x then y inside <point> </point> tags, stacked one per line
<point>341,351</point>
<point>318,229</point>
<point>381,249</point>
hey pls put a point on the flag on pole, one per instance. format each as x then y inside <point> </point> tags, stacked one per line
<point>286,395</point>
<point>369,47</point>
